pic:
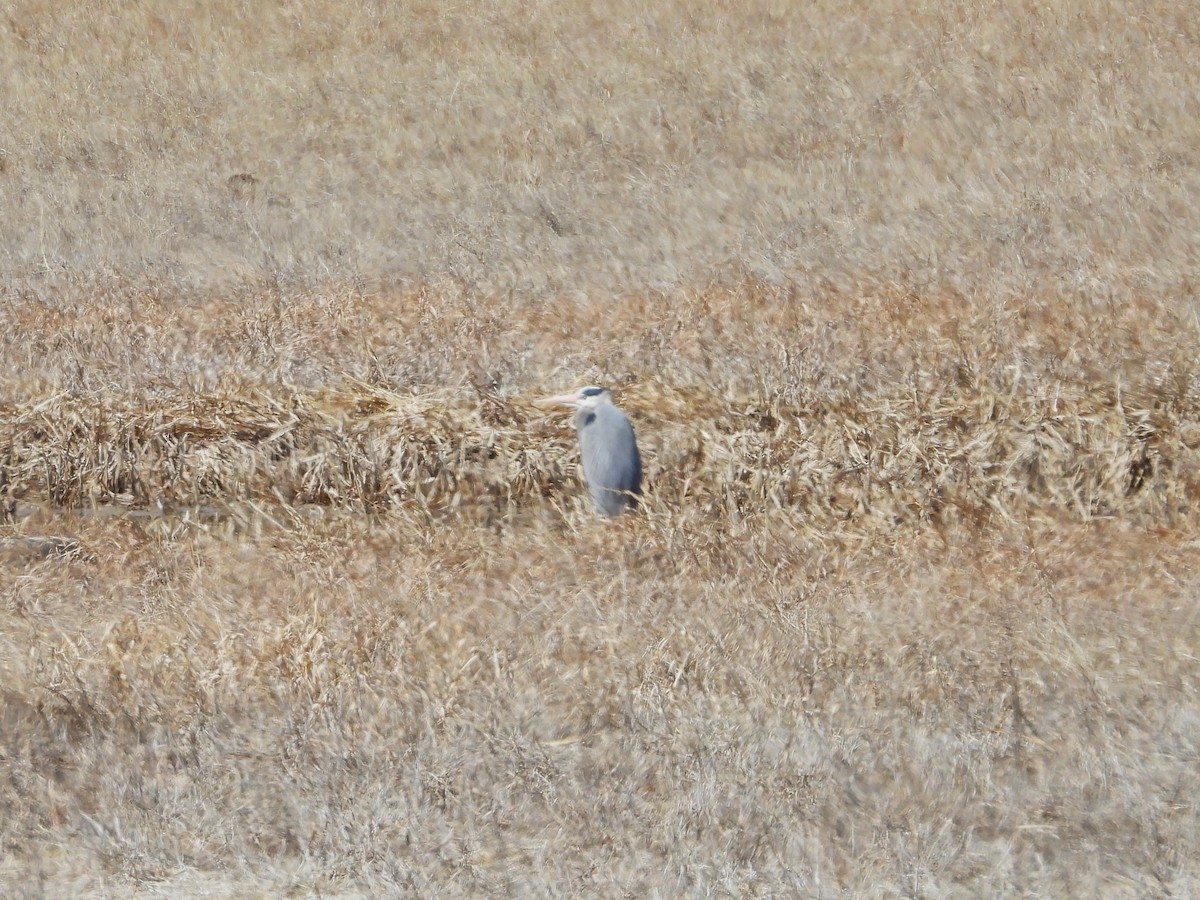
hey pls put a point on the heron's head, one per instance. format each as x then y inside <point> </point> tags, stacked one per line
<point>584,398</point>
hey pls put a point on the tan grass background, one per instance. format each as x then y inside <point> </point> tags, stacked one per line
<point>299,593</point>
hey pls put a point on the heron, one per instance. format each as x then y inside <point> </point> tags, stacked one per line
<point>611,462</point>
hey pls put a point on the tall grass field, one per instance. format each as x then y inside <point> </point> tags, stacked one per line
<point>301,594</point>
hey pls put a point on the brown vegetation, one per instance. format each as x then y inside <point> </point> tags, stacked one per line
<point>299,591</point>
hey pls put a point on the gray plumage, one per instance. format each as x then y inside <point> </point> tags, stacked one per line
<point>611,462</point>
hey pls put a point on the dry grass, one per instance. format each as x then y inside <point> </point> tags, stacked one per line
<point>298,593</point>
<point>532,148</point>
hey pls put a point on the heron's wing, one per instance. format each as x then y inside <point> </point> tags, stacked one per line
<point>611,461</point>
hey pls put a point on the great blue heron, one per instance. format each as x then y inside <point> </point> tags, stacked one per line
<point>611,462</point>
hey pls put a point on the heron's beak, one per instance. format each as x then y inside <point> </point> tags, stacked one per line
<point>560,400</point>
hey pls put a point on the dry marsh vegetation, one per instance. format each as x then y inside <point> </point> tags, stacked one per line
<point>299,592</point>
